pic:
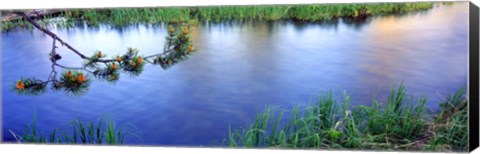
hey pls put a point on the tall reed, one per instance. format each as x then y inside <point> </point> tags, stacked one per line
<point>192,15</point>
<point>103,132</point>
<point>402,123</point>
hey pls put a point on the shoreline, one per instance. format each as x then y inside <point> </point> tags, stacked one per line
<point>192,15</point>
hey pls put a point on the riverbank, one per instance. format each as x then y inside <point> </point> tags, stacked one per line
<point>193,15</point>
<point>80,132</point>
<point>399,124</point>
<point>327,123</point>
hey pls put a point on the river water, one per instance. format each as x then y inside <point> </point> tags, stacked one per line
<point>239,69</point>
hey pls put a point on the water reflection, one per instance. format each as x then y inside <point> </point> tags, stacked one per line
<point>240,68</point>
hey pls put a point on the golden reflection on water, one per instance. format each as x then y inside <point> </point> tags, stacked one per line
<point>240,68</point>
<point>386,32</point>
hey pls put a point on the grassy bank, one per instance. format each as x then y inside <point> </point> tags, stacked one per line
<point>327,123</point>
<point>193,15</point>
<point>399,123</point>
<point>102,132</point>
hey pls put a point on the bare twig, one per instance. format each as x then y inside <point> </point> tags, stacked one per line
<point>53,57</point>
<point>149,61</point>
<point>160,54</point>
<point>73,68</point>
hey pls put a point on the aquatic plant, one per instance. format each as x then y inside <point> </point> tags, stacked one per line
<point>75,80</point>
<point>103,132</point>
<point>326,124</point>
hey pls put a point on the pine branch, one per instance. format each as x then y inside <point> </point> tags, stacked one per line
<point>177,49</point>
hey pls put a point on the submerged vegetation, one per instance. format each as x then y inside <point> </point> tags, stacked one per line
<point>103,132</point>
<point>396,125</point>
<point>192,15</point>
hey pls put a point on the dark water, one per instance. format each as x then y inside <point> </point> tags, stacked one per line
<point>238,70</point>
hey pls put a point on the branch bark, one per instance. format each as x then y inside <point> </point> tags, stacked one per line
<point>55,37</point>
<point>54,57</point>
<point>35,24</point>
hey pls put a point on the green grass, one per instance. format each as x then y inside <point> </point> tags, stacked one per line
<point>193,15</point>
<point>103,132</point>
<point>402,123</point>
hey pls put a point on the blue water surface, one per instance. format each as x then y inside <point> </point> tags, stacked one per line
<point>238,70</point>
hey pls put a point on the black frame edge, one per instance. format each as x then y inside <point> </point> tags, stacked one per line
<point>473,77</point>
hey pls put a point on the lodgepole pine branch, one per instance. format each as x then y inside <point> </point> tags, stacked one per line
<point>74,82</point>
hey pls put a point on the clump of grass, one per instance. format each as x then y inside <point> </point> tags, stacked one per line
<point>45,21</point>
<point>191,15</point>
<point>451,125</point>
<point>400,124</point>
<point>103,132</point>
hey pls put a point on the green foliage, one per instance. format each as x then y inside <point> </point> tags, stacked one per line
<point>118,17</point>
<point>178,46</point>
<point>72,82</point>
<point>29,86</point>
<point>103,132</point>
<point>399,117</point>
<point>110,73</point>
<point>451,126</point>
<point>20,23</point>
<point>132,63</point>
<point>91,62</point>
<point>397,125</point>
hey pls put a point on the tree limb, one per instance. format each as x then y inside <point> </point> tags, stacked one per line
<point>35,24</point>
<point>55,37</point>
<point>93,61</point>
